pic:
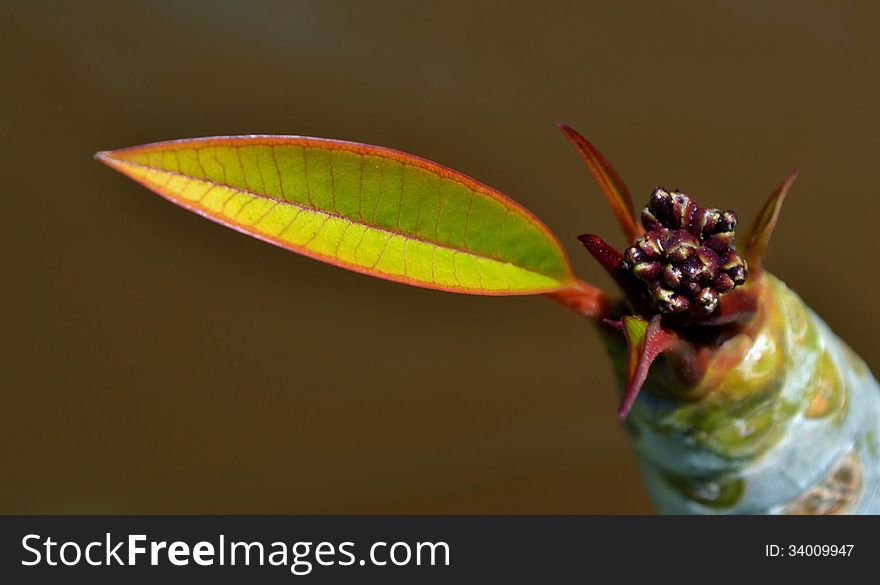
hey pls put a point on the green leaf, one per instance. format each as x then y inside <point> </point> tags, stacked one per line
<point>365,208</point>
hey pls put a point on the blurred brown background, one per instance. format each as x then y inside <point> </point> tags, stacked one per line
<point>158,363</point>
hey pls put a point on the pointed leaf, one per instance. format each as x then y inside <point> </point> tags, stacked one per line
<point>604,253</point>
<point>609,258</point>
<point>369,209</point>
<point>645,341</point>
<point>609,181</point>
<point>765,222</point>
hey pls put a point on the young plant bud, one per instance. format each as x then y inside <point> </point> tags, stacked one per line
<point>652,243</point>
<point>680,245</point>
<point>720,242</point>
<point>683,210</point>
<point>632,256</point>
<point>660,206</point>
<point>738,274</point>
<point>706,301</point>
<point>686,257</point>
<point>649,220</point>
<point>727,222</point>
<point>646,271</point>
<point>709,263</point>
<point>704,222</point>
<point>668,300</point>
<point>723,283</point>
<point>672,276</point>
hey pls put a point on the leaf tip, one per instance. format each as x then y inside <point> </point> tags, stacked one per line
<point>109,158</point>
<point>765,223</point>
<point>565,128</point>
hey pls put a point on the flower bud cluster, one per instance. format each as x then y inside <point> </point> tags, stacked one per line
<point>687,256</point>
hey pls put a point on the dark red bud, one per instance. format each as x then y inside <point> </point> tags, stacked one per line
<point>651,244</point>
<point>720,242</point>
<point>706,301</point>
<point>678,304</point>
<point>704,222</point>
<point>668,301</point>
<point>738,274</point>
<point>686,255</point>
<point>731,259</point>
<point>683,210</point>
<point>680,245</point>
<point>709,263</point>
<point>649,220</point>
<point>727,222</point>
<point>633,256</point>
<point>671,275</point>
<point>660,205</point>
<point>646,271</point>
<point>723,283</point>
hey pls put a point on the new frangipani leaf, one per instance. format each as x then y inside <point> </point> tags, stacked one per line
<point>765,222</point>
<point>645,340</point>
<point>365,208</point>
<point>612,186</point>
